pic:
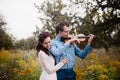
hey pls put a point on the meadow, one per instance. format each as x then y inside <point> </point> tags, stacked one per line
<point>24,65</point>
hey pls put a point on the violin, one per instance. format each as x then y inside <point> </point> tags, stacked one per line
<point>81,37</point>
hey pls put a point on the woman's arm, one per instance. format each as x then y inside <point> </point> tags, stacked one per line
<point>46,65</point>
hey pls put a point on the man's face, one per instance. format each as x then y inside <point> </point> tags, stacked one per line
<point>65,32</point>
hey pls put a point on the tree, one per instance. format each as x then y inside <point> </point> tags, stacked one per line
<point>102,18</point>
<point>52,14</point>
<point>26,44</point>
<point>6,40</point>
<point>109,26</point>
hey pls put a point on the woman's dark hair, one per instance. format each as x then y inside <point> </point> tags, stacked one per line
<point>60,26</point>
<point>41,39</point>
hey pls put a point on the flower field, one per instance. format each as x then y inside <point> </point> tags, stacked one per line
<point>19,65</point>
<point>24,65</point>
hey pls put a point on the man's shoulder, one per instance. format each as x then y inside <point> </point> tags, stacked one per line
<point>55,40</point>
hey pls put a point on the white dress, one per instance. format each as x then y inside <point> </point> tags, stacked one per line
<point>48,66</point>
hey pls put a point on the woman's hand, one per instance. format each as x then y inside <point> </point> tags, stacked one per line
<point>64,60</point>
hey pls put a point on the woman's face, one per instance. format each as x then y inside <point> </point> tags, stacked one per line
<point>46,43</point>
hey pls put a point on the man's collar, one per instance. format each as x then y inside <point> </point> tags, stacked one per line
<point>58,38</point>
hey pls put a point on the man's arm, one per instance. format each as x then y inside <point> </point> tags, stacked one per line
<point>57,50</point>
<point>82,53</point>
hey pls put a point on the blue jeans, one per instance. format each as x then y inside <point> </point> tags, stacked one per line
<point>66,74</point>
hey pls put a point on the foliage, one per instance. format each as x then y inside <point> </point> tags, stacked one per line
<point>98,67</point>
<point>26,44</point>
<point>52,12</point>
<point>101,17</point>
<point>108,25</point>
<point>19,65</point>
<point>24,65</point>
<point>6,40</point>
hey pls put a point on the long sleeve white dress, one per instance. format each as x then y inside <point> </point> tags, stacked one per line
<point>48,66</point>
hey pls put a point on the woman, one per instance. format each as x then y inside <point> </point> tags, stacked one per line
<point>47,60</point>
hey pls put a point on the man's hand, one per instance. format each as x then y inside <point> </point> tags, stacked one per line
<point>74,40</point>
<point>90,39</point>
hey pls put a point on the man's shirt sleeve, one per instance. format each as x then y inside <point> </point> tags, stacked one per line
<point>55,50</point>
<point>82,53</point>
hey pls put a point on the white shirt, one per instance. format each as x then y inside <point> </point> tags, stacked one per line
<point>48,66</point>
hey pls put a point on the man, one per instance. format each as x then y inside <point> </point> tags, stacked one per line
<point>61,49</point>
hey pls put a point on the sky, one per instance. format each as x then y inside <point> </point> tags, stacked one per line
<point>21,17</point>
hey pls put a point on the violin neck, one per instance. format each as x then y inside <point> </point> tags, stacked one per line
<point>82,36</point>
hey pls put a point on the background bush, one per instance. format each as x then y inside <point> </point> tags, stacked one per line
<point>19,65</point>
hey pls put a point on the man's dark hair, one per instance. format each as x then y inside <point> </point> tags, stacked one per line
<point>60,26</point>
